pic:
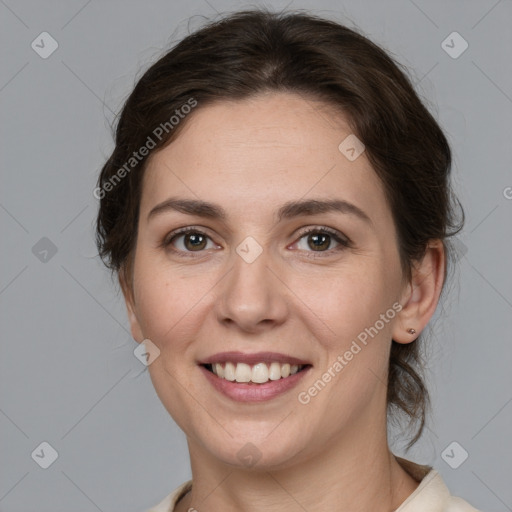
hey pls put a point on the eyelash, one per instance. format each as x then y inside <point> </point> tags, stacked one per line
<point>343,241</point>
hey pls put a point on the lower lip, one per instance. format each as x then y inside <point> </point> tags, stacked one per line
<point>250,392</point>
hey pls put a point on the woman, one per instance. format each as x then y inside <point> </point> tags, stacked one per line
<point>277,208</point>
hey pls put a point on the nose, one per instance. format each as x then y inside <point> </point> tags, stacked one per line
<point>253,297</point>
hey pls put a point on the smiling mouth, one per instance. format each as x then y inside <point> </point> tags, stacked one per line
<point>259,373</point>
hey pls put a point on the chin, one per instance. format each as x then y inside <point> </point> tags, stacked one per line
<point>261,454</point>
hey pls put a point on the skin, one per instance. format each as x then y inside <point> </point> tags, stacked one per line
<point>250,157</point>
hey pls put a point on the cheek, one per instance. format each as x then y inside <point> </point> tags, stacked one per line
<point>162,303</point>
<point>169,311</point>
<point>359,305</point>
<point>348,300</point>
<point>356,311</point>
<point>172,309</point>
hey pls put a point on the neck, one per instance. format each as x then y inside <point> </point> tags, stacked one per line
<point>354,471</point>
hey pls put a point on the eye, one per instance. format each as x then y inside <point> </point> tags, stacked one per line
<point>189,240</point>
<point>317,239</point>
<point>322,240</point>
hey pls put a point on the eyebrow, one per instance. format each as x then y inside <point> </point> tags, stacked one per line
<point>289,210</point>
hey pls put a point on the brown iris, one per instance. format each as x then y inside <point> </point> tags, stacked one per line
<point>195,241</point>
<point>319,241</point>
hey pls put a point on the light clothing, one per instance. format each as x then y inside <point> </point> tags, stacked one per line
<point>431,495</point>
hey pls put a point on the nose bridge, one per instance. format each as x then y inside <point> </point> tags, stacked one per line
<point>252,295</point>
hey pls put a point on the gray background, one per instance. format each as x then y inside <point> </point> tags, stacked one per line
<point>68,375</point>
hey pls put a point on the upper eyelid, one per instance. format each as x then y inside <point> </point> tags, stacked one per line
<point>325,229</point>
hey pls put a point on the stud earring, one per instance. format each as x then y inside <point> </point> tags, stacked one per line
<point>411,331</point>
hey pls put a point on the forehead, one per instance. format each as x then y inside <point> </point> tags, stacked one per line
<point>259,152</point>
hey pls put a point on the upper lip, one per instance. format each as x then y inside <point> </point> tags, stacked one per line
<point>252,359</point>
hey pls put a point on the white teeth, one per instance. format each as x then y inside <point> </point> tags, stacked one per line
<point>274,372</point>
<point>229,372</point>
<point>243,372</point>
<point>218,370</point>
<point>259,373</point>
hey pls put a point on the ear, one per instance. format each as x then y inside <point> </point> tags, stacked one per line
<point>420,296</point>
<point>127,289</point>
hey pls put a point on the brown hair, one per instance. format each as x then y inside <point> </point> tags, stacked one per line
<point>257,51</point>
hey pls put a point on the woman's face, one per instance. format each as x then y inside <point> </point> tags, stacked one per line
<point>265,275</point>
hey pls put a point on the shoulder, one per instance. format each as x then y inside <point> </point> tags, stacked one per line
<point>431,495</point>
<point>169,502</point>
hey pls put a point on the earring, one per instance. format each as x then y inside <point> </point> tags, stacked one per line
<point>411,331</point>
